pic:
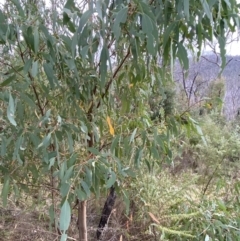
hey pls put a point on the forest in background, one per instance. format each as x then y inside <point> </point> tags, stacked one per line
<point>208,69</point>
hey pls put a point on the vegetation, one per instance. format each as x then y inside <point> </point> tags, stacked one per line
<point>88,104</point>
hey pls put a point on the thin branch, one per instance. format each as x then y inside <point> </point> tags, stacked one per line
<point>4,63</point>
<point>109,82</point>
<point>210,61</point>
<point>211,177</point>
<point>32,80</point>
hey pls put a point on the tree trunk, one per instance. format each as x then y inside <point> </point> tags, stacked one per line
<point>82,220</point>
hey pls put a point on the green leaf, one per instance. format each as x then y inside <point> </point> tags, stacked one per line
<point>11,110</point>
<point>126,201</point>
<point>83,20</point>
<point>36,40</point>
<point>64,237</point>
<point>50,74</point>
<point>70,142</point>
<point>68,174</point>
<point>182,55</point>
<point>84,128</point>
<point>34,70</point>
<point>28,37</point>
<point>19,7</point>
<point>111,180</point>
<point>72,160</point>
<point>2,17</point>
<point>65,216</point>
<point>88,177</point>
<point>3,146</point>
<point>8,80</point>
<point>84,51</point>
<point>5,190</point>
<point>199,131</point>
<point>27,66</point>
<point>74,44</point>
<point>147,26</point>
<point>207,9</point>
<point>99,8</point>
<point>64,189</point>
<point>46,141</point>
<point>121,17</point>
<point>150,45</point>
<point>103,65</point>
<point>167,33</point>
<point>115,142</point>
<point>86,188</point>
<point>28,100</point>
<point>138,156</point>
<point>94,151</point>
<point>51,162</point>
<point>81,195</point>
<point>133,136</point>
<point>222,43</point>
<point>186,8</point>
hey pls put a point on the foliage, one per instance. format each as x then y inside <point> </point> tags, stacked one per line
<point>222,148</point>
<point>74,88</point>
<point>173,207</point>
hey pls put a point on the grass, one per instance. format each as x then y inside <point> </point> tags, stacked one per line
<point>162,207</point>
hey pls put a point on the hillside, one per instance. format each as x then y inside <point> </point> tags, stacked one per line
<point>207,69</point>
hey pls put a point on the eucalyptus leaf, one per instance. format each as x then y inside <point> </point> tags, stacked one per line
<point>5,189</point>
<point>65,216</point>
<point>111,180</point>
<point>11,110</point>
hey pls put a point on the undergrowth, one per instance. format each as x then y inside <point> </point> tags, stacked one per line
<point>197,198</point>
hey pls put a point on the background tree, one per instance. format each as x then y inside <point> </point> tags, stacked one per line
<point>75,80</point>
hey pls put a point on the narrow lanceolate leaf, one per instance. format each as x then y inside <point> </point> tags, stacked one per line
<point>182,55</point>
<point>207,9</point>
<point>222,42</point>
<point>50,74</point>
<point>11,110</point>
<point>83,20</point>
<point>5,190</point>
<point>64,237</point>
<point>86,188</point>
<point>103,65</point>
<point>186,8</point>
<point>99,8</point>
<point>46,141</point>
<point>36,40</point>
<point>65,216</point>
<point>115,142</point>
<point>28,100</point>
<point>8,80</point>
<point>147,26</point>
<point>19,7</point>
<point>120,18</point>
<point>111,180</point>
<point>111,129</point>
<point>34,70</point>
<point>133,135</point>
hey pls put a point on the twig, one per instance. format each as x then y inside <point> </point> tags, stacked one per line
<point>211,177</point>
<point>32,80</point>
<point>109,82</point>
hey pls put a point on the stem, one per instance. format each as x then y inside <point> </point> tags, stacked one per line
<point>82,220</point>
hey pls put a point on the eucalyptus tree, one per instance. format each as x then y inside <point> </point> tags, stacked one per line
<point>75,83</point>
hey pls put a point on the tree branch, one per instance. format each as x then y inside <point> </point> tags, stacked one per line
<point>110,81</point>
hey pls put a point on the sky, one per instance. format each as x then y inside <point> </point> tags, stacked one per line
<point>232,46</point>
